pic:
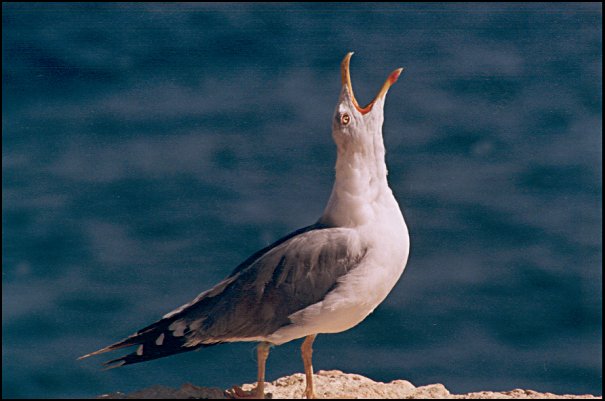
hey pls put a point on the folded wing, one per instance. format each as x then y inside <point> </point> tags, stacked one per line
<point>256,299</point>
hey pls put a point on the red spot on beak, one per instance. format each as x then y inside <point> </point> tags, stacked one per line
<point>394,76</point>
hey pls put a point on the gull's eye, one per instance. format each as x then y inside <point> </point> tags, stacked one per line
<point>345,119</point>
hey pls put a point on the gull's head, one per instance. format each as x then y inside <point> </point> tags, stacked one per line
<point>353,125</point>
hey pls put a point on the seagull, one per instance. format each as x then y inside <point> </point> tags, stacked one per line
<point>323,278</point>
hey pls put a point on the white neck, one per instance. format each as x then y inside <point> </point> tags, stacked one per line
<point>361,184</point>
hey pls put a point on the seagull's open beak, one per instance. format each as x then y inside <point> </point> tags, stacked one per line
<point>346,80</point>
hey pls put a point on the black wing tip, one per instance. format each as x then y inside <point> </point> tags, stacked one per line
<point>116,363</point>
<point>127,359</point>
<point>128,342</point>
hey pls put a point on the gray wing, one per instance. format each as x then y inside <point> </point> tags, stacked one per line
<point>256,299</point>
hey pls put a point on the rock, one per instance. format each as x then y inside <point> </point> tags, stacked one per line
<point>336,384</point>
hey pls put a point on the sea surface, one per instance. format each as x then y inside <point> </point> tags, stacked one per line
<point>147,149</point>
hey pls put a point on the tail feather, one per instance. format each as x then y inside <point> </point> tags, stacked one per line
<point>154,341</point>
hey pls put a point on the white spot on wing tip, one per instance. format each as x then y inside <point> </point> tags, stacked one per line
<point>140,350</point>
<point>178,328</point>
<point>160,340</point>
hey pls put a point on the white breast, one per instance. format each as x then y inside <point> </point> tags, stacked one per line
<point>365,287</point>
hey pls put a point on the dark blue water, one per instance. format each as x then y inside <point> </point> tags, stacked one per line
<point>148,149</point>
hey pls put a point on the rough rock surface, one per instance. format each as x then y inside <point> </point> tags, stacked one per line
<point>336,384</point>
